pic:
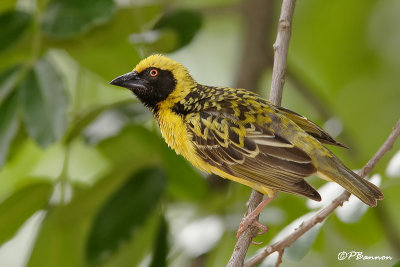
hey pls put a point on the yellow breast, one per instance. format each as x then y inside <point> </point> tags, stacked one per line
<point>174,132</point>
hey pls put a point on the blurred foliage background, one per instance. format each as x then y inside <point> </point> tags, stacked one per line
<point>85,178</point>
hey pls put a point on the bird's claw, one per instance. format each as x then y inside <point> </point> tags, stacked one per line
<point>251,221</point>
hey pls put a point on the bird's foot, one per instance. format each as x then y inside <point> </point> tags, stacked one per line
<point>251,220</point>
<point>248,221</point>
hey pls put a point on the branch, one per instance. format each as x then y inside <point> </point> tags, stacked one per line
<point>244,241</point>
<point>325,212</point>
<point>279,260</point>
<point>281,47</point>
<point>278,79</point>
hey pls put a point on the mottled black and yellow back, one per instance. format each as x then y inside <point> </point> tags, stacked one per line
<point>238,135</point>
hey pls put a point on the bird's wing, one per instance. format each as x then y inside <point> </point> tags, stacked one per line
<point>310,127</point>
<point>251,152</point>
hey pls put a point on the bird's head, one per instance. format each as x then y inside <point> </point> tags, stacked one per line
<point>157,80</point>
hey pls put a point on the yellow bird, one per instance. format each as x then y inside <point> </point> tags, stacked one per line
<point>238,135</point>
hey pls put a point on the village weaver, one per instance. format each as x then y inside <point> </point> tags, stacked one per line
<point>238,135</point>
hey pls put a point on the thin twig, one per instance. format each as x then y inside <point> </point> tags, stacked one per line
<point>280,255</point>
<point>387,145</point>
<point>244,241</point>
<point>281,47</point>
<point>280,54</point>
<point>325,212</point>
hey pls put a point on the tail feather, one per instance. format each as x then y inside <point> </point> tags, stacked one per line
<point>366,191</point>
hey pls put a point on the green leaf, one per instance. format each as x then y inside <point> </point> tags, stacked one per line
<point>63,234</point>
<point>299,249</point>
<point>156,41</point>
<point>8,81</point>
<point>66,18</point>
<point>302,245</point>
<point>185,23</point>
<point>8,125</point>
<point>86,164</point>
<point>172,31</point>
<point>17,208</point>
<point>135,145</point>
<point>88,116</point>
<point>90,93</point>
<point>13,25</point>
<point>141,243</point>
<point>7,4</point>
<point>19,167</point>
<point>106,59</point>
<point>8,109</point>
<point>60,238</point>
<point>44,103</point>
<point>184,181</point>
<point>125,211</point>
<point>82,121</point>
<point>160,251</point>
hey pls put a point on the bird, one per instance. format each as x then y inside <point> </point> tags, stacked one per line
<point>236,134</point>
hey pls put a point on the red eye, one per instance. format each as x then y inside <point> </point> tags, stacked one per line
<point>153,73</point>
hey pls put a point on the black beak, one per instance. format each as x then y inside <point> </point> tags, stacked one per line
<point>130,80</point>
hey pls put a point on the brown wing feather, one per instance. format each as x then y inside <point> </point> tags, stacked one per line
<point>310,127</point>
<point>262,157</point>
